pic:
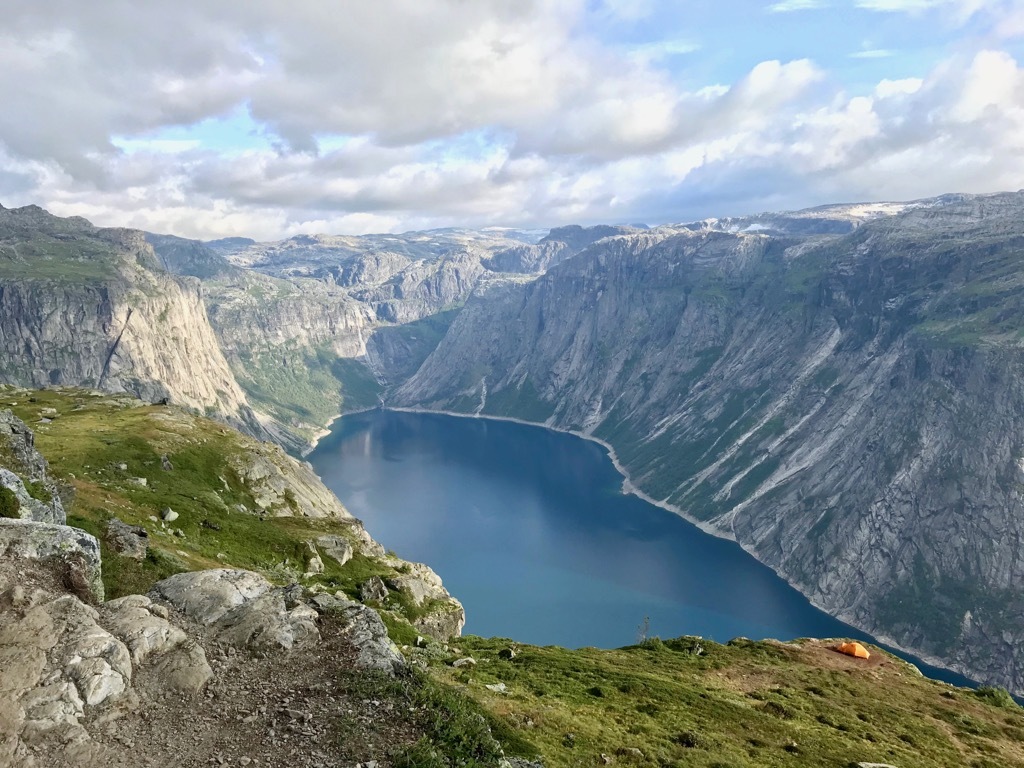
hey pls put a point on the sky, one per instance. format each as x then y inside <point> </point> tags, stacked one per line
<point>270,118</point>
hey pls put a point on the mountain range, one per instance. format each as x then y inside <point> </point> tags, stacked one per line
<point>840,390</point>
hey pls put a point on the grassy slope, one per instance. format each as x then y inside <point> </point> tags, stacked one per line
<point>742,704</point>
<point>95,434</point>
<point>45,257</point>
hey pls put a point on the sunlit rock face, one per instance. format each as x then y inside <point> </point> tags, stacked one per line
<point>842,393</point>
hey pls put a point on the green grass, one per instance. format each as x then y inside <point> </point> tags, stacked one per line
<point>521,402</point>
<point>96,435</point>
<point>304,388</point>
<point>359,389</point>
<point>44,258</point>
<point>457,732</point>
<point>10,507</point>
<point>692,702</point>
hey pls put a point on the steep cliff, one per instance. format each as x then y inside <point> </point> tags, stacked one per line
<point>89,306</point>
<point>849,407</point>
<point>317,324</point>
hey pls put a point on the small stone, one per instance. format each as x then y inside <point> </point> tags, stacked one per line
<point>169,515</point>
<point>496,687</point>
<point>464,662</point>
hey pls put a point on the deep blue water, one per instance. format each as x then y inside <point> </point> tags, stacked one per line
<point>529,528</point>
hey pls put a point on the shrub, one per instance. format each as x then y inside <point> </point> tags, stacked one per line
<point>998,697</point>
<point>9,504</point>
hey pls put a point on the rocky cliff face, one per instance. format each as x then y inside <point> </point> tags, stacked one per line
<point>81,305</point>
<point>850,408</point>
<point>316,323</point>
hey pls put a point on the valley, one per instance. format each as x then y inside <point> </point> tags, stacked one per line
<point>838,390</point>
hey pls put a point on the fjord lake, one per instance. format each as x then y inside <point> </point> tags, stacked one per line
<point>531,530</point>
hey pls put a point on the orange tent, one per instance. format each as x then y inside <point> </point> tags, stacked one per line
<point>853,649</point>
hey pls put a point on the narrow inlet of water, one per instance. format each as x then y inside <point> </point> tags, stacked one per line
<point>529,528</point>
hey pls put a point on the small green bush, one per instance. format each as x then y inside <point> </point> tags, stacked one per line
<point>37,490</point>
<point>998,697</point>
<point>9,504</point>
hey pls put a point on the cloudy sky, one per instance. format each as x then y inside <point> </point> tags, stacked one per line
<point>268,118</point>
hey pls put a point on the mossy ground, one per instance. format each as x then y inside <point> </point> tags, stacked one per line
<point>693,702</point>
<point>95,435</point>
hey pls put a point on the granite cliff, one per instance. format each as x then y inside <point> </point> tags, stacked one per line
<point>847,404</point>
<point>90,306</point>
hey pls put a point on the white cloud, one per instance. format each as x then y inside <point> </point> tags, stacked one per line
<point>419,113</point>
<point>873,53</point>
<point>905,87</point>
<point>788,6</point>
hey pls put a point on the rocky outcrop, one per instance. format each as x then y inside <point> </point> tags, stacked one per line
<point>846,406</point>
<point>244,608</point>
<point>76,550</point>
<point>129,540</point>
<point>364,629</point>
<point>246,611</point>
<point>66,667</point>
<point>446,617</point>
<point>21,463</point>
<point>335,547</point>
<point>282,486</point>
<point>63,659</point>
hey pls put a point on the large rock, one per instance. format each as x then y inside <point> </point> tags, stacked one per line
<point>364,629</point>
<point>445,622</point>
<point>129,540</point>
<point>30,465</point>
<point>283,487</point>
<point>244,608</point>
<point>265,622</point>
<point>142,631</point>
<point>21,442</point>
<point>62,661</point>
<point>35,541</point>
<point>446,616</point>
<point>373,590</point>
<point>335,547</point>
<point>30,508</point>
<point>143,627</point>
<point>206,596</point>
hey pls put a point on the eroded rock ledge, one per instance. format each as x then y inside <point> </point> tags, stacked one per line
<point>68,669</point>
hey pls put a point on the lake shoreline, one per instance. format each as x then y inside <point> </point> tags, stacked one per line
<point>630,488</point>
